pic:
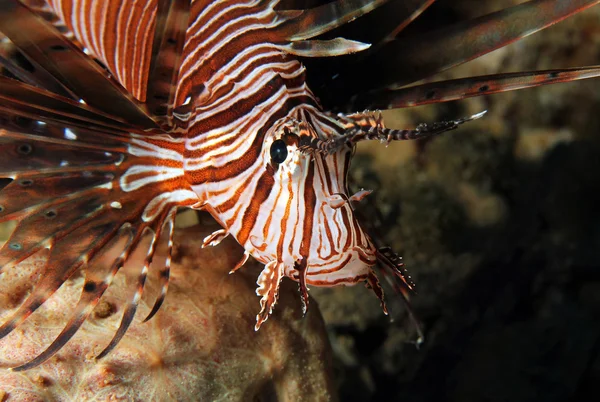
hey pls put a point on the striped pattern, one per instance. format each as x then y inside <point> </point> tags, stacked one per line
<point>238,89</point>
<point>183,111</point>
<point>126,51</point>
<point>247,91</point>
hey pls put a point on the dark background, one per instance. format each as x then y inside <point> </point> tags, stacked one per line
<point>498,223</point>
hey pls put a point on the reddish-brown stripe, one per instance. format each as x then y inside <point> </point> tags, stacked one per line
<point>339,266</point>
<point>310,201</point>
<point>218,60</point>
<point>242,107</point>
<point>286,216</point>
<point>236,167</point>
<point>233,200</point>
<point>263,189</point>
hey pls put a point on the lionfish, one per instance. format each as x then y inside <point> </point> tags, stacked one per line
<point>114,116</point>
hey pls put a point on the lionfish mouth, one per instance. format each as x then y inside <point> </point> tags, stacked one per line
<point>107,130</point>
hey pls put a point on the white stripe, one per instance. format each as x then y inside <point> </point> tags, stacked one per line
<point>159,174</point>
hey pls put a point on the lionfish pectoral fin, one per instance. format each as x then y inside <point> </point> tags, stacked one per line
<point>167,218</point>
<point>373,283</point>
<point>69,65</point>
<point>268,289</point>
<point>390,265</point>
<point>302,268</point>
<point>97,279</point>
<point>241,262</point>
<point>165,273</point>
<point>215,238</point>
<point>73,190</point>
<point>445,91</point>
<point>39,104</point>
<point>401,62</point>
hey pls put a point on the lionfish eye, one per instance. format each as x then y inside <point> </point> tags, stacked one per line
<point>278,151</point>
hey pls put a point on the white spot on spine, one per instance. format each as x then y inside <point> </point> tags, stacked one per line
<point>116,205</point>
<point>70,135</point>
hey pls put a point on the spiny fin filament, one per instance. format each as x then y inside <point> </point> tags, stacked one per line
<point>302,269</point>
<point>268,289</point>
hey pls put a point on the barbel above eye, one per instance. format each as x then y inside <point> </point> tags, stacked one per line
<point>278,151</point>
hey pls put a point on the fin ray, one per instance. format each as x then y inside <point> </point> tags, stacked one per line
<point>401,62</point>
<point>65,258</point>
<point>445,91</point>
<point>318,20</point>
<point>169,35</point>
<point>40,42</point>
<point>131,308</point>
<point>96,282</point>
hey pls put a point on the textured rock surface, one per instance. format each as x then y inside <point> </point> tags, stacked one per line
<point>200,346</point>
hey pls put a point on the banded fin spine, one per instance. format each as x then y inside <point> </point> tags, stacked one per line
<point>74,195</point>
<point>318,20</point>
<point>165,273</point>
<point>167,47</point>
<point>404,61</point>
<point>446,91</point>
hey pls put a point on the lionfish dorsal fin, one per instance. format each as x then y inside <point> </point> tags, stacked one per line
<point>445,91</point>
<point>169,35</point>
<point>325,48</point>
<point>401,62</point>
<point>16,64</point>
<point>318,20</point>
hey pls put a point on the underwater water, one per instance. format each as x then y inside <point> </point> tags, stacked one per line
<point>499,226</point>
<point>497,223</point>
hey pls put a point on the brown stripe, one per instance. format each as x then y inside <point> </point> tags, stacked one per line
<point>237,166</point>
<point>310,201</point>
<point>286,216</point>
<point>263,189</point>
<point>350,280</point>
<point>225,54</point>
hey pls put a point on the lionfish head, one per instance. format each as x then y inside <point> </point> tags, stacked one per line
<point>309,225</point>
<point>306,226</point>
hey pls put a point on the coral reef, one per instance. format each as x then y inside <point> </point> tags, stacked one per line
<point>200,346</point>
